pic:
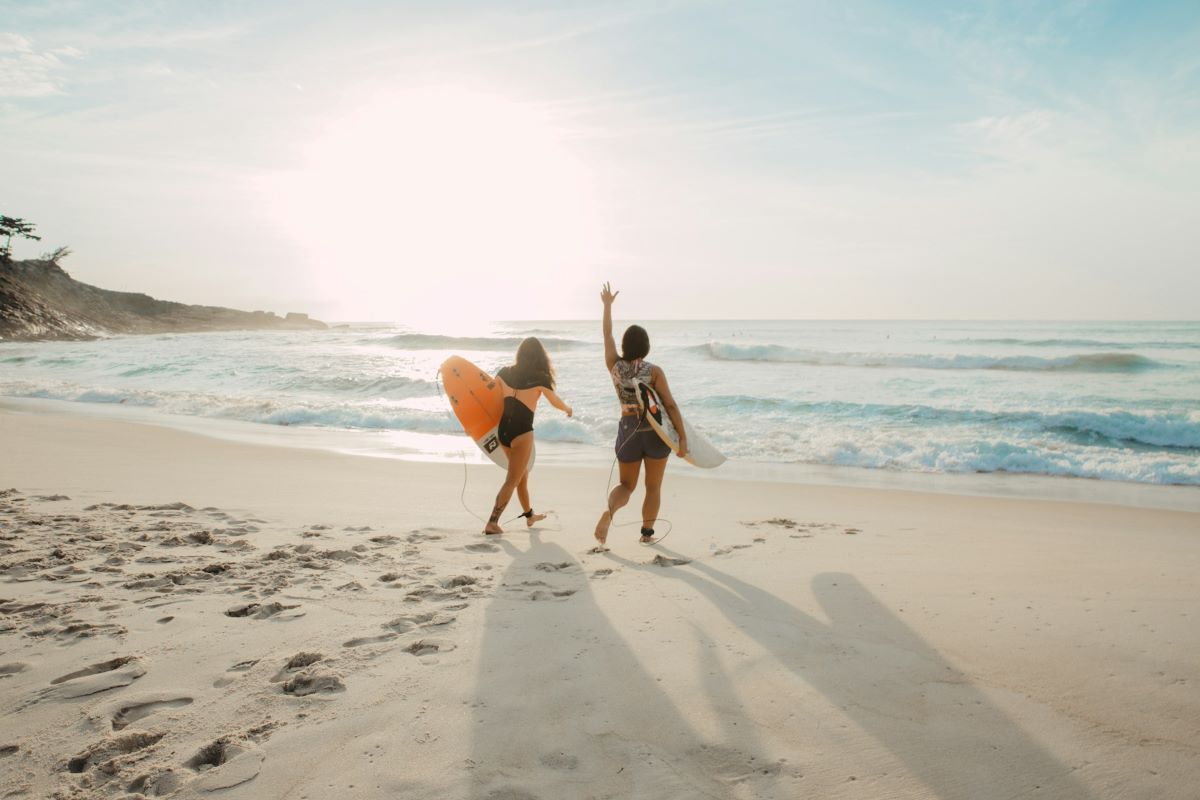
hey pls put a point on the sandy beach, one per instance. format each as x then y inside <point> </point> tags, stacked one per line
<point>185,616</point>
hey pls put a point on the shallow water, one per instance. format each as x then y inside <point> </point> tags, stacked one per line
<point>1111,401</point>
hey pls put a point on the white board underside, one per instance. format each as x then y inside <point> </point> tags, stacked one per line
<point>701,452</point>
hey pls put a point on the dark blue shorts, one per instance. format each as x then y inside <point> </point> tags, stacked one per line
<point>634,443</point>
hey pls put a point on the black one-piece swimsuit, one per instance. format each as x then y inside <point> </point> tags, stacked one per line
<point>516,420</point>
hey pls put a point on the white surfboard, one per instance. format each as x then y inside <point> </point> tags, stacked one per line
<point>701,452</point>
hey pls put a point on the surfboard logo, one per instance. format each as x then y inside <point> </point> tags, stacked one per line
<point>491,443</point>
<point>649,402</point>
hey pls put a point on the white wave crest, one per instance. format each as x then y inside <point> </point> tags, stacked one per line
<point>1085,362</point>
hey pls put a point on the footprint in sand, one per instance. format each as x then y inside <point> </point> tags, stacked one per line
<point>557,594</point>
<point>302,678</point>
<point>559,761</point>
<point>261,611</point>
<point>364,640</point>
<point>547,566</point>
<point>663,561</point>
<point>482,547</point>
<point>127,715</point>
<point>779,522</point>
<point>12,668</point>
<point>516,587</point>
<point>602,573</point>
<point>410,622</point>
<point>295,664</point>
<point>107,751</point>
<point>314,682</point>
<point>97,678</point>
<point>429,647</point>
<point>225,763</point>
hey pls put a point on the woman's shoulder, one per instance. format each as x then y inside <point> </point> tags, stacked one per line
<point>516,379</point>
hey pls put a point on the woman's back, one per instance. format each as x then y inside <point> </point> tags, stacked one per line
<point>521,380</point>
<point>625,375</point>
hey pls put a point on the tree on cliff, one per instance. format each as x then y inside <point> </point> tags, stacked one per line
<point>10,227</point>
<point>56,255</point>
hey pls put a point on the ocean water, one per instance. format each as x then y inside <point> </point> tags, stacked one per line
<point>1107,401</point>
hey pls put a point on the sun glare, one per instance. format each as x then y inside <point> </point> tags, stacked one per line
<point>438,204</point>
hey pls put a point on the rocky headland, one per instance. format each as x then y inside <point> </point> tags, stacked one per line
<point>40,301</point>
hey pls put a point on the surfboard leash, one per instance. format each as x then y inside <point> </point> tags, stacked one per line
<point>608,488</point>
<point>462,495</point>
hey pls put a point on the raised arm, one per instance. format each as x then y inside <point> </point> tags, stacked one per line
<point>607,296</point>
<point>557,402</point>
<point>658,379</point>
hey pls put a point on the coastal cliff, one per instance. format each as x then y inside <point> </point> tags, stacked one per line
<point>39,301</point>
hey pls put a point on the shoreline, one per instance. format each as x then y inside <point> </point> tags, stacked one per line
<point>457,449</point>
<point>284,604</point>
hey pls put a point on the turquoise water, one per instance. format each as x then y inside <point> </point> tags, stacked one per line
<point>1110,401</point>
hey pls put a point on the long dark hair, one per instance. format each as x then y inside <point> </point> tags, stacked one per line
<point>533,363</point>
<point>635,343</point>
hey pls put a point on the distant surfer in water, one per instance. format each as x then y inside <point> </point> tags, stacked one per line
<point>637,442</point>
<point>526,381</point>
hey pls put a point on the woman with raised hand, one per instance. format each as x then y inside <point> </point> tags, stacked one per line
<point>637,443</point>
<point>526,381</point>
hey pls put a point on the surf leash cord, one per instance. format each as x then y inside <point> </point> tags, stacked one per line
<point>462,494</point>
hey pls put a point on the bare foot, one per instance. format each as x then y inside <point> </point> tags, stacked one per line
<point>602,527</point>
<point>534,518</point>
<point>647,540</point>
<point>493,529</point>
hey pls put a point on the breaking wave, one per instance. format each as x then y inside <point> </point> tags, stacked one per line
<point>426,341</point>
<point>1085,362</point>
<point>1116,428</point>
<point>1109,345</point>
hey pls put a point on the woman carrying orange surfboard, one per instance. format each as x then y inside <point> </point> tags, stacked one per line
<point>524,383</point>
<point>637,443</point>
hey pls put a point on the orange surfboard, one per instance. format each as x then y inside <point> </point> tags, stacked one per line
<point>477,402</point>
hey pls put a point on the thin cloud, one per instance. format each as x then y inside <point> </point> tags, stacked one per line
<point>160,39</point>
<point>28,72</point>
<point>572,32</point>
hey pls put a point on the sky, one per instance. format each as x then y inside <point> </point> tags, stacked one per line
<point>449,162</point>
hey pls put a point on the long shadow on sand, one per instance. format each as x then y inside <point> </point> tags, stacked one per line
<point>891,682</point>
<point>564,707</point>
